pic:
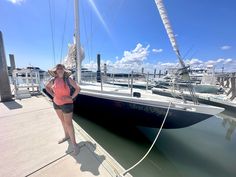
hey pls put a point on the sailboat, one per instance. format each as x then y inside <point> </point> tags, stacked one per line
<point>119,105</point>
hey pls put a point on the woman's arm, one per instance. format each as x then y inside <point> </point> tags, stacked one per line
<point>77,88</point>
<point>48,87</point>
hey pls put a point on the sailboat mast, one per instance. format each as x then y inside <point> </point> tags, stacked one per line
<point>77,42</point>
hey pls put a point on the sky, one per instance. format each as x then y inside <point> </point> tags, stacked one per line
<point>129,34</point>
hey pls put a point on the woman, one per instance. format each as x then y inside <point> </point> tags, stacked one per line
<point>59,89</point>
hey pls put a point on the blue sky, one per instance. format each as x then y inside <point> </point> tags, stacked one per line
<point>129,34</point>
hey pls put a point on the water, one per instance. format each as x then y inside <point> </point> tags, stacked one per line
<point>203,150</point>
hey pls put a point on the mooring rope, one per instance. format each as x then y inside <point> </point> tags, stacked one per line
<point>149,150</point>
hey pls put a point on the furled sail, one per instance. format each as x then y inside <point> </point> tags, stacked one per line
<point>170,33</point>
<point>70,59</point>
<point>183,72</point>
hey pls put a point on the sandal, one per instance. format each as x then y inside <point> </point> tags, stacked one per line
<point>63,140</point>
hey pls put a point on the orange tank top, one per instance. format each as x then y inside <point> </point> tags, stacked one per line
<point>60,89</point>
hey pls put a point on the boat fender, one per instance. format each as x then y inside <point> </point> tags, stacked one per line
<point>137,94</point>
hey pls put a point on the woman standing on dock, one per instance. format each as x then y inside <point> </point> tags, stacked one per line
<point>60,88</point>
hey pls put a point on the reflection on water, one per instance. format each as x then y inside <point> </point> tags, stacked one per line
<point>229,124</point>
<point>203,150</point>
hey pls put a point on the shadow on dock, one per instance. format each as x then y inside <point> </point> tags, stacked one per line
<point>12,105</point>
<point>87,157</point>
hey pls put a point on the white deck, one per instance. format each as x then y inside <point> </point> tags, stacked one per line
<point>147,98</point>
<point>29,130</point>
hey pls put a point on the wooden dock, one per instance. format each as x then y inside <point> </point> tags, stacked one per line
<point>29,130</point>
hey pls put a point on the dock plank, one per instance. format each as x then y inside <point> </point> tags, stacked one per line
<point>29,130</point>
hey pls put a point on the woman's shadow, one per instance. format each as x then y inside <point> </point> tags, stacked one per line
<point>89,160</point>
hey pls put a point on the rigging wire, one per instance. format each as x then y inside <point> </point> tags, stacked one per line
<point>52,25</point>
<point>64,29</point>
<point>85,28</point>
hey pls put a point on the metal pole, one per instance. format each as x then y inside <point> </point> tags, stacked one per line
<point>101,81</point>
<point>77,41</point>
<point>132,77</point>
<point>32,80</point>
<point>128,81</point>
<point>147,76</point>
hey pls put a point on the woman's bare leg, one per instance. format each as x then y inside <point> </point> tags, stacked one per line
<point>70,127</point>
<point>61,117</point>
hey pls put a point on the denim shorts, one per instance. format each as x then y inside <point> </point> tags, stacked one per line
<point>66,108</point>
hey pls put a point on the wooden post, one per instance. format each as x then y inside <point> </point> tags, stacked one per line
<point>233,87</point>
<point>12,62</point>
<point>5,90</point>
<point>222,81</point>
<point>98,68</point>
<point>159,73</point>
<point>155,72</point>
<point>227,82</point>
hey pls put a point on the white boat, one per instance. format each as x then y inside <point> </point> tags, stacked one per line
<point>117,105</point>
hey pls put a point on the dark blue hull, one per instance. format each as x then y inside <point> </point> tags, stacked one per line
<point>109,111</point>
<point>121,112</point>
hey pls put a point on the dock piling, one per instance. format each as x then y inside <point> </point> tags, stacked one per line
<point>5,90</point>
<point>12,62</point>
<point>98,68</point>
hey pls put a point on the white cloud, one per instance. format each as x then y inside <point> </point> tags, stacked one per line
<point>134,60</point>
<point>157,50</point>
<point>194,61</point>
<point>126,67</point>
<point>131,60</point>
<point>16,2</point>
<point>228,63</point>
<point>135,56</point>
<point>229,60</point>
<point>92,65</point>
<point>225,47</point>
<point>220,60</point>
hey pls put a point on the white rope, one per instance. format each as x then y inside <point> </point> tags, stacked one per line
<point>154,142</point>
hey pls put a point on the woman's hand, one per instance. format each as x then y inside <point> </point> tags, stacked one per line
<point>66,98</point>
